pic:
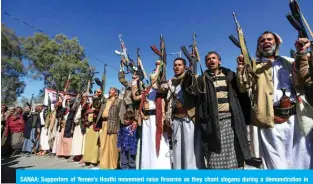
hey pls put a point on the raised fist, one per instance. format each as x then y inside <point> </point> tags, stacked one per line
<point>240,62</point>
<point>302,44</point>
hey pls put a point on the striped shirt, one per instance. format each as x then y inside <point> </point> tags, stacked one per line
<point>221,92</point>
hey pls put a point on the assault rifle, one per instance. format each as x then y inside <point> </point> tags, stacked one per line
<point>162,54</point>
<point>192,57</point>
<point>249,62</point>
<point>297,20</point>
<point>101,83</point>
<point>125,59</point>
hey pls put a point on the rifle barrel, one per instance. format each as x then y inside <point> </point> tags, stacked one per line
<point>236,21</point>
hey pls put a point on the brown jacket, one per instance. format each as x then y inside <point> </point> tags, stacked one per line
<point>261,92</point>
<point>113,118</point>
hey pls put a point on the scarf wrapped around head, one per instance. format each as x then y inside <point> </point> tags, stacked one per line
<point>278,42</point>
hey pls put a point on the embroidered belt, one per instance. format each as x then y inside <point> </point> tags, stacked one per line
<point>149,112</point>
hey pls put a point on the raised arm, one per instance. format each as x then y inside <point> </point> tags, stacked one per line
<point>122,79</point>
<point>136,95</point>
<point>303,60</point>
<point>241,75</point>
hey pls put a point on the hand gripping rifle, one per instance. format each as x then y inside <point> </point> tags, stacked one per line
<point>141,71</point>
<point>141,74</point>
<point>298,21</point>
<point>101,83</point>
<point>250,64</point>
<point>192,57</point>
<point>90,80</point>
<point>162,54</point>
<point>30,104</point>
<point>125,59</point>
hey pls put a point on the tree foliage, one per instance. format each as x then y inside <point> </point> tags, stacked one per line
<point>51,60</point>
<point>12,68</point>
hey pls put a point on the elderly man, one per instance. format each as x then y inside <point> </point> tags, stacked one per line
<point>110,121</point>
<point>274,93</point>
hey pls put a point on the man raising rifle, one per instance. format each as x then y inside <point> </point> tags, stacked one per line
<point>274,99</point>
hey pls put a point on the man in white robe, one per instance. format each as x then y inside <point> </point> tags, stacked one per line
<point>282,143</point>
<point>155,143</point>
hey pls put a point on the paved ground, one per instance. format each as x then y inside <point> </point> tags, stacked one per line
<point>10,164</point>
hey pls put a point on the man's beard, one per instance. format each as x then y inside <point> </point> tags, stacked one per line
<point>268,53</point>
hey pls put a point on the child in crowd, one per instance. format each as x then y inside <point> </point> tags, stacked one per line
<point>127,141</point>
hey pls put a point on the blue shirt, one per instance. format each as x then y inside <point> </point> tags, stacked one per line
<point>127,139</point>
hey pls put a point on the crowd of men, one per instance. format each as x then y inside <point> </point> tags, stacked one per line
<point>187,122</point>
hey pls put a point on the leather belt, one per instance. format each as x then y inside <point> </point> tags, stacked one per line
<point>105,119</point>
<point>223,111</point>
<point>149,112</point>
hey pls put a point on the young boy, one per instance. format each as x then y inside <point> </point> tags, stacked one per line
<point>127,141</point>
